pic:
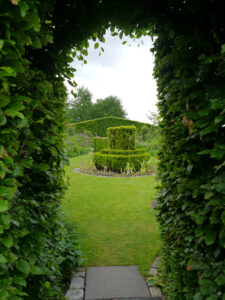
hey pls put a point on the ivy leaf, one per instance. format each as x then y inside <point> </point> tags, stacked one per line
<point>13,109</point>
<point>4,100</point>
<point>223,49</point>
<point>3,205</point>
<point>220,280</point>
<point>22,123</point>
<point>2,118</point>
<point>96,45</point>
<point>7,241</point>
<point>33,21</point>
<point>23,266</point>
<point>3,259</point>
<point>210,238</point>
<point>7,71</point>
<point>1,44</point>
<point>197,296</point>
<point>19,280</point>
<point>23,6</point>
<point>36,270</point>
<point>85,52</point>
<point>208,195</point>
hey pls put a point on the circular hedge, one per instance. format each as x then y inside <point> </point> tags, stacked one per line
<point>118,163</point>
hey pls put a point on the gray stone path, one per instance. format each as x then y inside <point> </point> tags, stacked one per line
<point>113,283</point>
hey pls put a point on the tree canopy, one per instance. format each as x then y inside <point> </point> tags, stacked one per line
<point>82,107</point>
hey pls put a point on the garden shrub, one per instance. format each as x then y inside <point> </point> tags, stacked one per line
<point>99,126</point>
<point>119,162</point>
<point>123,152</point>
<point>100,143</point>
<point>123,137</point>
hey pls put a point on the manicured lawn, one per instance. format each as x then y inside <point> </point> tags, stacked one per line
<point>115,222</point>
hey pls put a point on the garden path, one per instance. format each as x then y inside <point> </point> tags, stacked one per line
<point>113,283</point>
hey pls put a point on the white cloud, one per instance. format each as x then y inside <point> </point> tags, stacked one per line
<point>124,71</point>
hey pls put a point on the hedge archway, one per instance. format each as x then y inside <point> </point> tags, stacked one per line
<point>36,38</point>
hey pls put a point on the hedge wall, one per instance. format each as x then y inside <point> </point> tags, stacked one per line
<point>36,39</point>
<point>99,126</point>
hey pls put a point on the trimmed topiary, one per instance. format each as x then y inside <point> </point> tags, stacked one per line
<point>100,143</point>
<point>122,151</point>
<point>122,137</point>
<point>119,162</point>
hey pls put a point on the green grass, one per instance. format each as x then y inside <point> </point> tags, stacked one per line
<point>116,224</point>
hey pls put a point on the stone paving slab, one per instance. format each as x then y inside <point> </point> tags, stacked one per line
<point>122,282</point>
<point>77,283</point>
<point>77,294</point>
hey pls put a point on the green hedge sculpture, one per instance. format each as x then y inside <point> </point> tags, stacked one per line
<point>122,150</point>
<point>100,143</point>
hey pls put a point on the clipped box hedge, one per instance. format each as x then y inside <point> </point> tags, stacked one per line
<point>100,143</point>
<point>122,137</point>
<point>118,163</point>
<point>123,152</point>
<point>99,126</point>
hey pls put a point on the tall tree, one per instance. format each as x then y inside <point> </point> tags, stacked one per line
<point>81,106</point>
<point>108,107</point>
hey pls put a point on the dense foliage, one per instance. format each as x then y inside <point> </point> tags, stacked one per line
<point>82,108</point>
<point>122,137</point>
<point>36,38</point>
<point>100,143</point>
<point>189,68</point>
<point>99,126</point>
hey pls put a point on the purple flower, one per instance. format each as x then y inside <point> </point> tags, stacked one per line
<point>77,140</point>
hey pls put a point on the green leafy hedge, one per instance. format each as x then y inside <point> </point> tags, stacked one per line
<point>100,143</point>
<point>122,152</point>
<point>123,137</point>
<point>119,162</point>
<point>36,39</point>
<point>189,68</point>
<point>99,126</point>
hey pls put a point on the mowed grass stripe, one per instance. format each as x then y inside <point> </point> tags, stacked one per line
<point>115,222</point>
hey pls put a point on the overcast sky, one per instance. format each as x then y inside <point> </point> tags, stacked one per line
<point>123,71</point>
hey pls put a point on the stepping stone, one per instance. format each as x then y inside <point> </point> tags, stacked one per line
<point>80,269</point>
<point>115,283</point>
<point>155,292</point>
<point>77,294</point>
<point>77,283</point>
<point>80,274</point>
